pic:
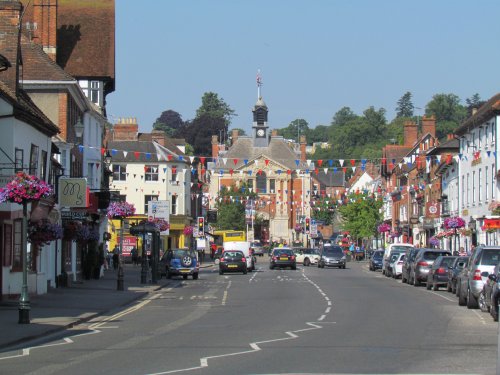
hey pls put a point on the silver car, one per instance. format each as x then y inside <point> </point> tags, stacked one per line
<point>481,264</point>
<point>423,263</point>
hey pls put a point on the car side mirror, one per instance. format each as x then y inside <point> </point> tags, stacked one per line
<point>492,277</point>
<point>484,274</point>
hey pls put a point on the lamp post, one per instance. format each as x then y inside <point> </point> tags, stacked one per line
<point>24,299</point>
<point>119,280</point>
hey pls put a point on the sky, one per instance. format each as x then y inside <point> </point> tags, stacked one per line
<point>315,56</point>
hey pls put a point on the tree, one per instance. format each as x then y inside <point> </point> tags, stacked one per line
<point>405,106</point>
<point>446,107</point>
<point>360,215</point>
<point>212,106</point>
<point>170,122</point>
<point>474,101</point>
<point>230,206</point>
<point>323,210</point>
<point>294,128</point>
<point>198,132</point>
<point>343,116</point>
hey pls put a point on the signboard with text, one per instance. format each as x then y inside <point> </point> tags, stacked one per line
<point>159,210</point>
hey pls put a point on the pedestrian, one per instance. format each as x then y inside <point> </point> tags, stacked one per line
<point>116,257</point>
<point>133,253</point>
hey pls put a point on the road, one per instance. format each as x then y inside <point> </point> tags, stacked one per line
<point>318,321</point>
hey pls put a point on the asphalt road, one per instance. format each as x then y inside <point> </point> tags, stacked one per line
<point>318,321</point>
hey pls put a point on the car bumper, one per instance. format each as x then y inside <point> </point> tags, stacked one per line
<point>283,263</point>
<point>333,263</point>
<point>421,274</point>
<point>233,267</point>
<point>183,271</point>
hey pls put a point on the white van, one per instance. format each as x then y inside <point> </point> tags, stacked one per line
<point>245,248</point>
<point>394,246</point>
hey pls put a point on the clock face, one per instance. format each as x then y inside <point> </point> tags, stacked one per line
<point>260,132</point>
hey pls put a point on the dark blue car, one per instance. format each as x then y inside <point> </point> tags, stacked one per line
<point>376,260</point>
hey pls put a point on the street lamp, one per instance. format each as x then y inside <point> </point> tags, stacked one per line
<point>79,128</point>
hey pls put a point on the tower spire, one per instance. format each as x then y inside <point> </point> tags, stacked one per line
<point>259,84</point>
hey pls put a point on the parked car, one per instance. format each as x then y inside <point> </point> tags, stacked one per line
<point>376,260</point>
<point>386,270</point>
<point>410,255</point>
<point>257,248</point>
<point>453,271</point>
<point>401,247</point>
<point>489,298</point>
<point>438,274</point>
<point>396,265</point>
<point>306,256</point>
<point>232,261</point>
<point>423,262</point>
<point>180,262</point>
<point>481,264</point>
<point>282,257</point>
<point>332,256</point>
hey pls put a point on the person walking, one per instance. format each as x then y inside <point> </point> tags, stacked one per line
<point>116,257</point>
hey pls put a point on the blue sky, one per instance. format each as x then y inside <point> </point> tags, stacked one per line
<point>315,56</point>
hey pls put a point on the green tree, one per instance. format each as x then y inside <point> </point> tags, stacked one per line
<point>343,116</point>
<point>170,122</point>
<point>214,106</point>
<point>360,215</point>
<point>294,128</point>
<point>231,207</point>
<point>448,111</point>
<point>474,101</point>
<point>323,210</point>
<point>405,106</point>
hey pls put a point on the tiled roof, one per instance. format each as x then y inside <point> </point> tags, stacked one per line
<point>277,151</point>
<point>395,152</point>
<point>142,149</point>
<point>331,179</point>
<point>86,38</point>
<point>38,66</point>
<point>169,145</point>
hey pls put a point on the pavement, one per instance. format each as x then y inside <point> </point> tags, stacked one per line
<point>63,308</point>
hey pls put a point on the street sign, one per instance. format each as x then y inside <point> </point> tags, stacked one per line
<point>314,230</point>
<point>73,215</point>
<point>159,210</point>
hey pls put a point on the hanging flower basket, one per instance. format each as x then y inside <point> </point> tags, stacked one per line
<point>434,241</point>
<point>86,234</point>
<point>44,232</point>
<point>494,207</point>
<point>188,230</point>
<point>454,222</point>
<point>298,228</point>
<point>465,232</point>
<point>25,188</point>
<point>70,229</point>
<point>161,224</point>
<point>119,210</point>
<point>384,227</point>
<point>394,234</point>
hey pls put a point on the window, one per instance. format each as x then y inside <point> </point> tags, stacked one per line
<point>151,172</point>
<point>467,195</point>
<point>17,259</point>
<point>174,204</point>
<point>19,160</point>
<point>90,175</point>
<point>174,173</point>
<point>33,159</point>
<point>43,167</point>
<point>486,191</point>
<point>119,172</point>
<point>479,140</point>
<point>480,187</point>
<point>492,133</point>
<point>474,187</point>
<point>272,185</point>
<point>493,181</point>
<point>261,182</point>
<point>94,92</point>
<point>64,159</point>
<point>147,199</point>
<point>7,245</point>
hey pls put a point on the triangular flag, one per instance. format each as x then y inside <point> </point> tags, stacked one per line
<point>125,154</point>
<point>341,161</point>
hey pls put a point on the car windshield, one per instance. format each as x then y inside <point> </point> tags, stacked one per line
<point>447,261</point>
<point>237,255</point>
<point>332,250</point>
<point>378,254</point>
<point>433,255</point>
<point>399,248</point>
<point>181,253</point>
<point>279,252</point>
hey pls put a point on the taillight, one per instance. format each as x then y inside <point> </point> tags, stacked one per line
<point>477,275</point>
<point>441,270</point>
<point>293,257</point>
<point>222,260</point>
<point>243,259</point>
<point>274,258</point>
<point>423,264</point>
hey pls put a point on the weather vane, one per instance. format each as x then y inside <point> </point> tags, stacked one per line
<point>259,83</point>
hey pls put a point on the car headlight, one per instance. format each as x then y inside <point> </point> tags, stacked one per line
<point>343,258</point>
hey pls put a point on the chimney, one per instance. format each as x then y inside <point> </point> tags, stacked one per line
<point>274,133</point>
<point>45,19</point>
<point>126,129</point>
<point>429,125</point>
<point>410,133</point>
<point>158,136</point>
<point>10,15</point>
<point>234,136</point>
<point>303,148</point>
<point>215,146</point>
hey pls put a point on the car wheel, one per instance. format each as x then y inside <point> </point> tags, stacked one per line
<point>169,275</point>
<point>307,262</point>
<point>294,268</point>
<point>462,300</point>
<point>482,302</point>
<point>195,276</point>
<point>186,261</point>
<point>448,287</point>
<point>271,267</point>
<point>185,277</point>
<point>453,288</point>
<point>221,272</point>
<point>416,282</point>
<point>471,300</point>
<point>245,271</point>
<point>428,285</point>
<point>343,267</point>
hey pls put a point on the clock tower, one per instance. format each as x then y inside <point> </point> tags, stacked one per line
<point>260,111</point>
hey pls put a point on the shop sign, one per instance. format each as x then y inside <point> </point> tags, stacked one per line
<point>428,223</point>
<point>73,192</point>
<point>492,223</point>
<point>432,210</point>
<point>74,215</point>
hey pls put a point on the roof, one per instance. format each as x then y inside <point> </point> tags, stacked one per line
<point>169,145</point>
<point>330,179</point>
<point>146,152</point>
<point>395,152</point>
<point>449,145</point>
<point>488,110</point>
<point>277,151</point>
<point>86,38</point>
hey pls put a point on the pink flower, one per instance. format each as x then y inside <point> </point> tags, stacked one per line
<point>25,188</point>
<point>120,209</point>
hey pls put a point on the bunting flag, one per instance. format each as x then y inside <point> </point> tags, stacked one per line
<point>297,162</point>
<point>125,153</point>
<point>137,154</point>
<point>80,148</point>
<point>235,161</point>
<point>191,159</point>
<point>148,155</point>
<point>266,162</point>
<point>169,157</point>
<point>341,161</point>
<point>114,152</point>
